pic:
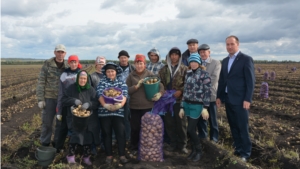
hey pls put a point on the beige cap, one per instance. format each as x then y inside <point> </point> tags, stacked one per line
<point>60,47</point>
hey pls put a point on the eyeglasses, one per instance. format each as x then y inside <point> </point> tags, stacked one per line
<point>153,55</point>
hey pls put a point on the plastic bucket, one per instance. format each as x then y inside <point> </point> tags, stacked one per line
<point>45,155</point>
<point>151,89</point>
<point>113,100</point>
<point>80,123</point>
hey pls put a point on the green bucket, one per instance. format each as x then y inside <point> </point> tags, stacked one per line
<point>151,89</point>
<point>45,155</point>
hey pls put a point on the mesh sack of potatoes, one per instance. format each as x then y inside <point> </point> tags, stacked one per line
<point>151,138</point>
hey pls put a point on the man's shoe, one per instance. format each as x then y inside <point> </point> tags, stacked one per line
<point>236,153</point>
<point>124,160</point>
<point>192,154</point>
<point>244,159</point>
<point>198,154</point>
<point>171,149</point>
<point>53,143</point>
<point>184,151</point>
<point>108,160</point>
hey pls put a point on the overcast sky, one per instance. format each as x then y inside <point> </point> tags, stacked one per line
<point>267,29</point>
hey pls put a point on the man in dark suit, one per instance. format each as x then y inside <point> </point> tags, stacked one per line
<point>236,86</point>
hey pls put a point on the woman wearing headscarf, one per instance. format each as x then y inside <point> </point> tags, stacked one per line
<point>112,115</point>
<point>64,119</point>
<point>82,94</point>
<point>195,101</point>
<point>138,103</point>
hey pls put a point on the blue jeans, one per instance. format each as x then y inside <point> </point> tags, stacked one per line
<point>127,121</point>
<point>213,123</point>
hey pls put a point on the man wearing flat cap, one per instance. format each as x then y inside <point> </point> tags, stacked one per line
<point>192,48</point>
<point>213,67</point>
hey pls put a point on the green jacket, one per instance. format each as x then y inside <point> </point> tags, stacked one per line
<point>48,80</point>
<point>178,78</point>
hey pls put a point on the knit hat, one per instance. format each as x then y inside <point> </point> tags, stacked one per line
<point>123,53</point>
<point>118,68</point>
<point>140,57</point>
<point>175,50</point>
<point>195,57</point>
<point>100,60</point>
<point>74,58</point>
<point>110,67</point>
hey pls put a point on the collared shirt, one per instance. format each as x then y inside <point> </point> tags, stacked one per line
<point>204,62</point>
<point>230,62</point>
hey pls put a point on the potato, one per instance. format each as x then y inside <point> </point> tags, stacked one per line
<point>81,113</point>
<point>151,139</point>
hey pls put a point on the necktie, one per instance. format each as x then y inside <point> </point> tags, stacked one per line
<point>204,63</point>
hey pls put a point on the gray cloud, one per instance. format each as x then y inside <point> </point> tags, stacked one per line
<point>24,8</point>
<point>267,30</point>
<point>132,7</point>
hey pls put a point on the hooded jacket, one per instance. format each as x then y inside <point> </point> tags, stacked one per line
<point>173,81</point>
<point>154,67</point>
<point>107,83</point>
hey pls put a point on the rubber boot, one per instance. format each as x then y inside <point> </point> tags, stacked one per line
<point>198,153</point>
<point>71,159</point>
<point>192,154</point>
<point>87,160</point>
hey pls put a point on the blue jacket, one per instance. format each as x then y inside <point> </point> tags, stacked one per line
<point>240,80</point>
<point>197,87</point>
<point>107,83</point>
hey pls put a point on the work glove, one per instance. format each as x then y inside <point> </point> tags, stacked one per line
<point>205,114</point>
<point>181,113</point>
<point>116,106</point>
<point>41,104</point>
<point>156,96</point>
<point>59,117</point>
<point>139,83</point>
<point>85,106</point>
<point>177,94</point>
<point>108,107</point>
<point>77,102</point>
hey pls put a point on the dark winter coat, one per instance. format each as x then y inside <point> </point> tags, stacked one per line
<point>91,134</point>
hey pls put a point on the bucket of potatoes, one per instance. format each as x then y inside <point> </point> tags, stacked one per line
<point>80,118</point>
<point>151,86</point>
<point>112,95</point>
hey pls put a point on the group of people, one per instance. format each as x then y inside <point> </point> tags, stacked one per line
<point>199,85</point>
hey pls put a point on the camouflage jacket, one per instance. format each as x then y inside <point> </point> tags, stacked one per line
<point>48,80</point>
<point>177,80</point>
